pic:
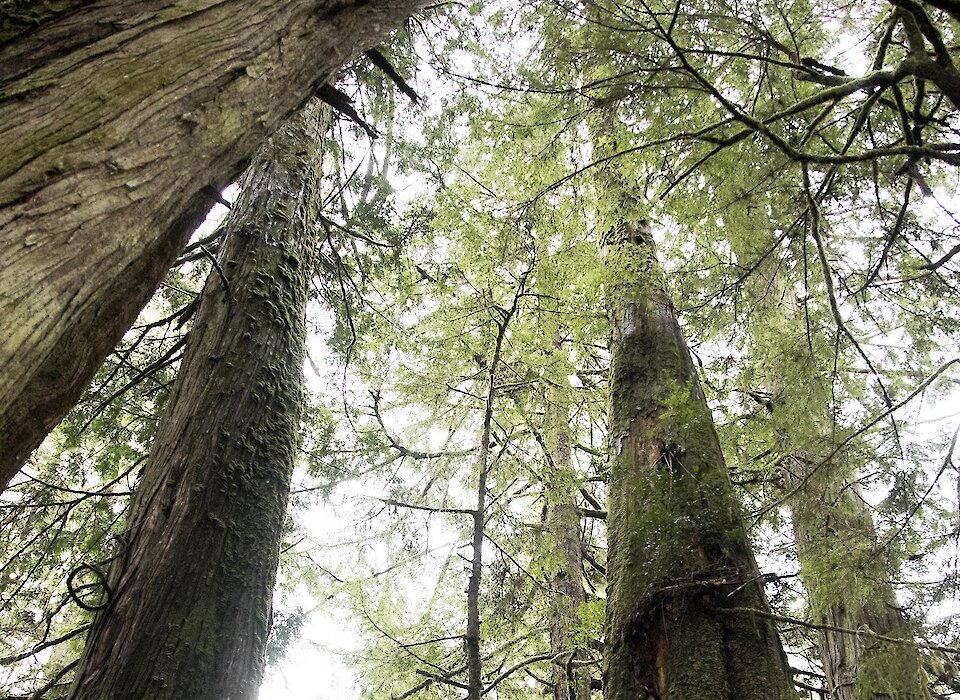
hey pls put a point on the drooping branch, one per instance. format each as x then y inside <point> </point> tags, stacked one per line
<point>402,449</point>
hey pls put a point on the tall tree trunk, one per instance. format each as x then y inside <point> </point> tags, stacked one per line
<point>847,582</point>
<point>120,121</point>
<point>563,529</point>
<point>190,608</point>
<point>680,570</point>
<point>846,578</point>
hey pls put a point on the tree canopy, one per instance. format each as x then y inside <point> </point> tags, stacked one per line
<point>788,173</point>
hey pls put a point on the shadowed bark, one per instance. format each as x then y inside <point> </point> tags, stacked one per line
<point>120,121</point>
<point>191,603</point>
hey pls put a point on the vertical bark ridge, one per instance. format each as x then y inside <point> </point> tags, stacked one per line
<point>192,589</point>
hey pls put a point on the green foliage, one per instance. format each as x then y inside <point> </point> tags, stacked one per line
<point>816,291</point>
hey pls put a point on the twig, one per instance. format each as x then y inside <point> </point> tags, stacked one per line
<point>440,679</point>
<point>8,660</point>
<point>399,504</point>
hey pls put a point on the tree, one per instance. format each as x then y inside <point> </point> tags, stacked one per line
<point>188,605</point>
<point>789,375</point>
<point>798,218</point>
<point>788,259</point>
<point>563,552</point>
<point>683,588</point>
<point>121,126</point>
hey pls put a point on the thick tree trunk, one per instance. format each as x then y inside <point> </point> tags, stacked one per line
<point>846,578</point>
<point>119,122</point>
<point>680,569</point>
<point>847,586</point>
<point>190,607</point>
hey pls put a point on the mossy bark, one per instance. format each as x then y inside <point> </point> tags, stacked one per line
<point>564,553</point>
<point>120,121</point>
<point>21,16</point>
<point>679,561</point>
<point>847,583</point>
<point>191,604</point>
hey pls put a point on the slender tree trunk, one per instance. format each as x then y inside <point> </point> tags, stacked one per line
<point>472,638</point>
<point>563,528</point>
<point>120,120</point>
<point>562,548</point>
<point>681,573</point>
<point>847,583</point>
<point>190,609</point>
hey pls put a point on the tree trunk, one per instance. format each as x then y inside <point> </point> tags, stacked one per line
<point>681,573</point>
<point>475,689</point>
<point>566,582</point>
<point>847,585</point>
<point>120,121</point>
<point>190,604</point>
<point>846,578</point>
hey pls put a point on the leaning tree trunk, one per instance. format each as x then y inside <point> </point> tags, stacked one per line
<point>120,121</point>
<point>190,605</point>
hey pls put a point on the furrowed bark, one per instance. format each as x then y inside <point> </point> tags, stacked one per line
<point>678,555</point>
<point>191,603</point>
<point>120,121</point>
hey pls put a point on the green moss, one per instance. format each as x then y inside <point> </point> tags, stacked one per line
<point>20,16</point>
<point>632,273</point>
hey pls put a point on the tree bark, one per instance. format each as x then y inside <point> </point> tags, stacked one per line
<point>191,594</point>
<point>120,122</point>
<point>680,568</point>
<point>847,583</point>
<point>566,582</point>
